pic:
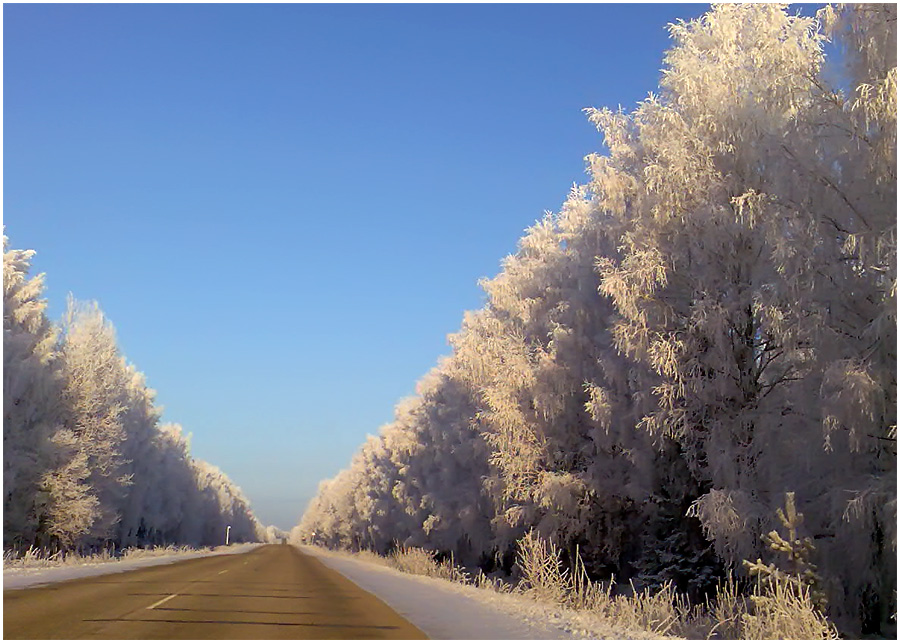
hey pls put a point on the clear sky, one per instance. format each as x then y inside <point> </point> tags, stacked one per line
<point>284,209</point>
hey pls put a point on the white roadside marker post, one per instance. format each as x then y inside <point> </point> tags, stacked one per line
<point>227,534</point>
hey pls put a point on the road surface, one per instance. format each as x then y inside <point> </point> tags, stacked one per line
<point>272,592</point>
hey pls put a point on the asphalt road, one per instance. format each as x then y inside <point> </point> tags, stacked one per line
<point>272,592</point>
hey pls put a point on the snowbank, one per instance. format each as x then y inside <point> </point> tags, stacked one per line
<point>22,577</point>
<point>447,610</point>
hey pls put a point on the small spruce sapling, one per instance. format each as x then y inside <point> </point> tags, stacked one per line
<point>798,571</point>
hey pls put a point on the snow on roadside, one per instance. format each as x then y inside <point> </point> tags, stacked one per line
<point>447,610</point>
<point>22,577</point>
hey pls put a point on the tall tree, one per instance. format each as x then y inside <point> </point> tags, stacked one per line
<point>32,412</point>
<point>96,377</point>
<point>758,245</point>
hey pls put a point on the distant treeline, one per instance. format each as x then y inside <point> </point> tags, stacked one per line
<point>703,335</point>
<point>86,462</point>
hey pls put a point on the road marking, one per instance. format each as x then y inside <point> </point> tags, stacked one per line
<point>223,571</point>
<point>158,603</point>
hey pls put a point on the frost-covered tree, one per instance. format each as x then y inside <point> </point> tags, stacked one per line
<point>757,272</point>
<point>559,406</point>
<point>72,506</point>
<point>96,379</point>
<point>706,326</point>
<point>86,462</point>
<point>329,519</point>
<point>418,483</point>
<point>441,462</point>
<point>275,535</point>
<point>220,504</point>
<point>555,399</point>
<point>140,421</point>
<point>148,488</point>
<point>34,440</point>
<point>28,381</point>
<point>166,513</point>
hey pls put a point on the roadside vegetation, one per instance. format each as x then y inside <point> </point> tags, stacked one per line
<point>34,558</point>
<point>87,463</point>
<point>775,608</point>
<point>688,374</point>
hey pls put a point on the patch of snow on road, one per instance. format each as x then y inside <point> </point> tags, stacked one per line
<point>22,577</point>
<point>447,610</point>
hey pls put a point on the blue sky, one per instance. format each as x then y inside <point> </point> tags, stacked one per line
<point>284,209</point>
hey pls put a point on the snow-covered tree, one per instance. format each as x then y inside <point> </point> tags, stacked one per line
<point>706,326</point>
<point>86,463</point>
<point>96,378</point>
<point>34,440</point>
<point>140,421</point>
<point>275,535</point>
<point>441,461</point>
<point>166,514</point>
<point>47,496</point>
<point>28,381</point>
<point>220,504</point>
<point>555,399</point>
<point>757,276</point>
<point>418,483</point>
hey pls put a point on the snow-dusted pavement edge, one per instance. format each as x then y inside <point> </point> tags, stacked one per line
<point>20,578</point>
<point>441,609</point>
<point>447,610</point>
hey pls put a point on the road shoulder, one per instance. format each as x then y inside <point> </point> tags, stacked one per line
<point>22,578</point>
<point>445,610</point>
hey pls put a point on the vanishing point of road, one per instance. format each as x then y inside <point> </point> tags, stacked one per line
<point>271,592</point>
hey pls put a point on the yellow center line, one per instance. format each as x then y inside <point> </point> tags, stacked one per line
<point>223,571</point>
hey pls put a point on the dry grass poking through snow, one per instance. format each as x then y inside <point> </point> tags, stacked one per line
<point>413,560</point>
<point>545,578</point>
<point>35,558</point>
<point>776,610</point>
<point>784,611</point>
